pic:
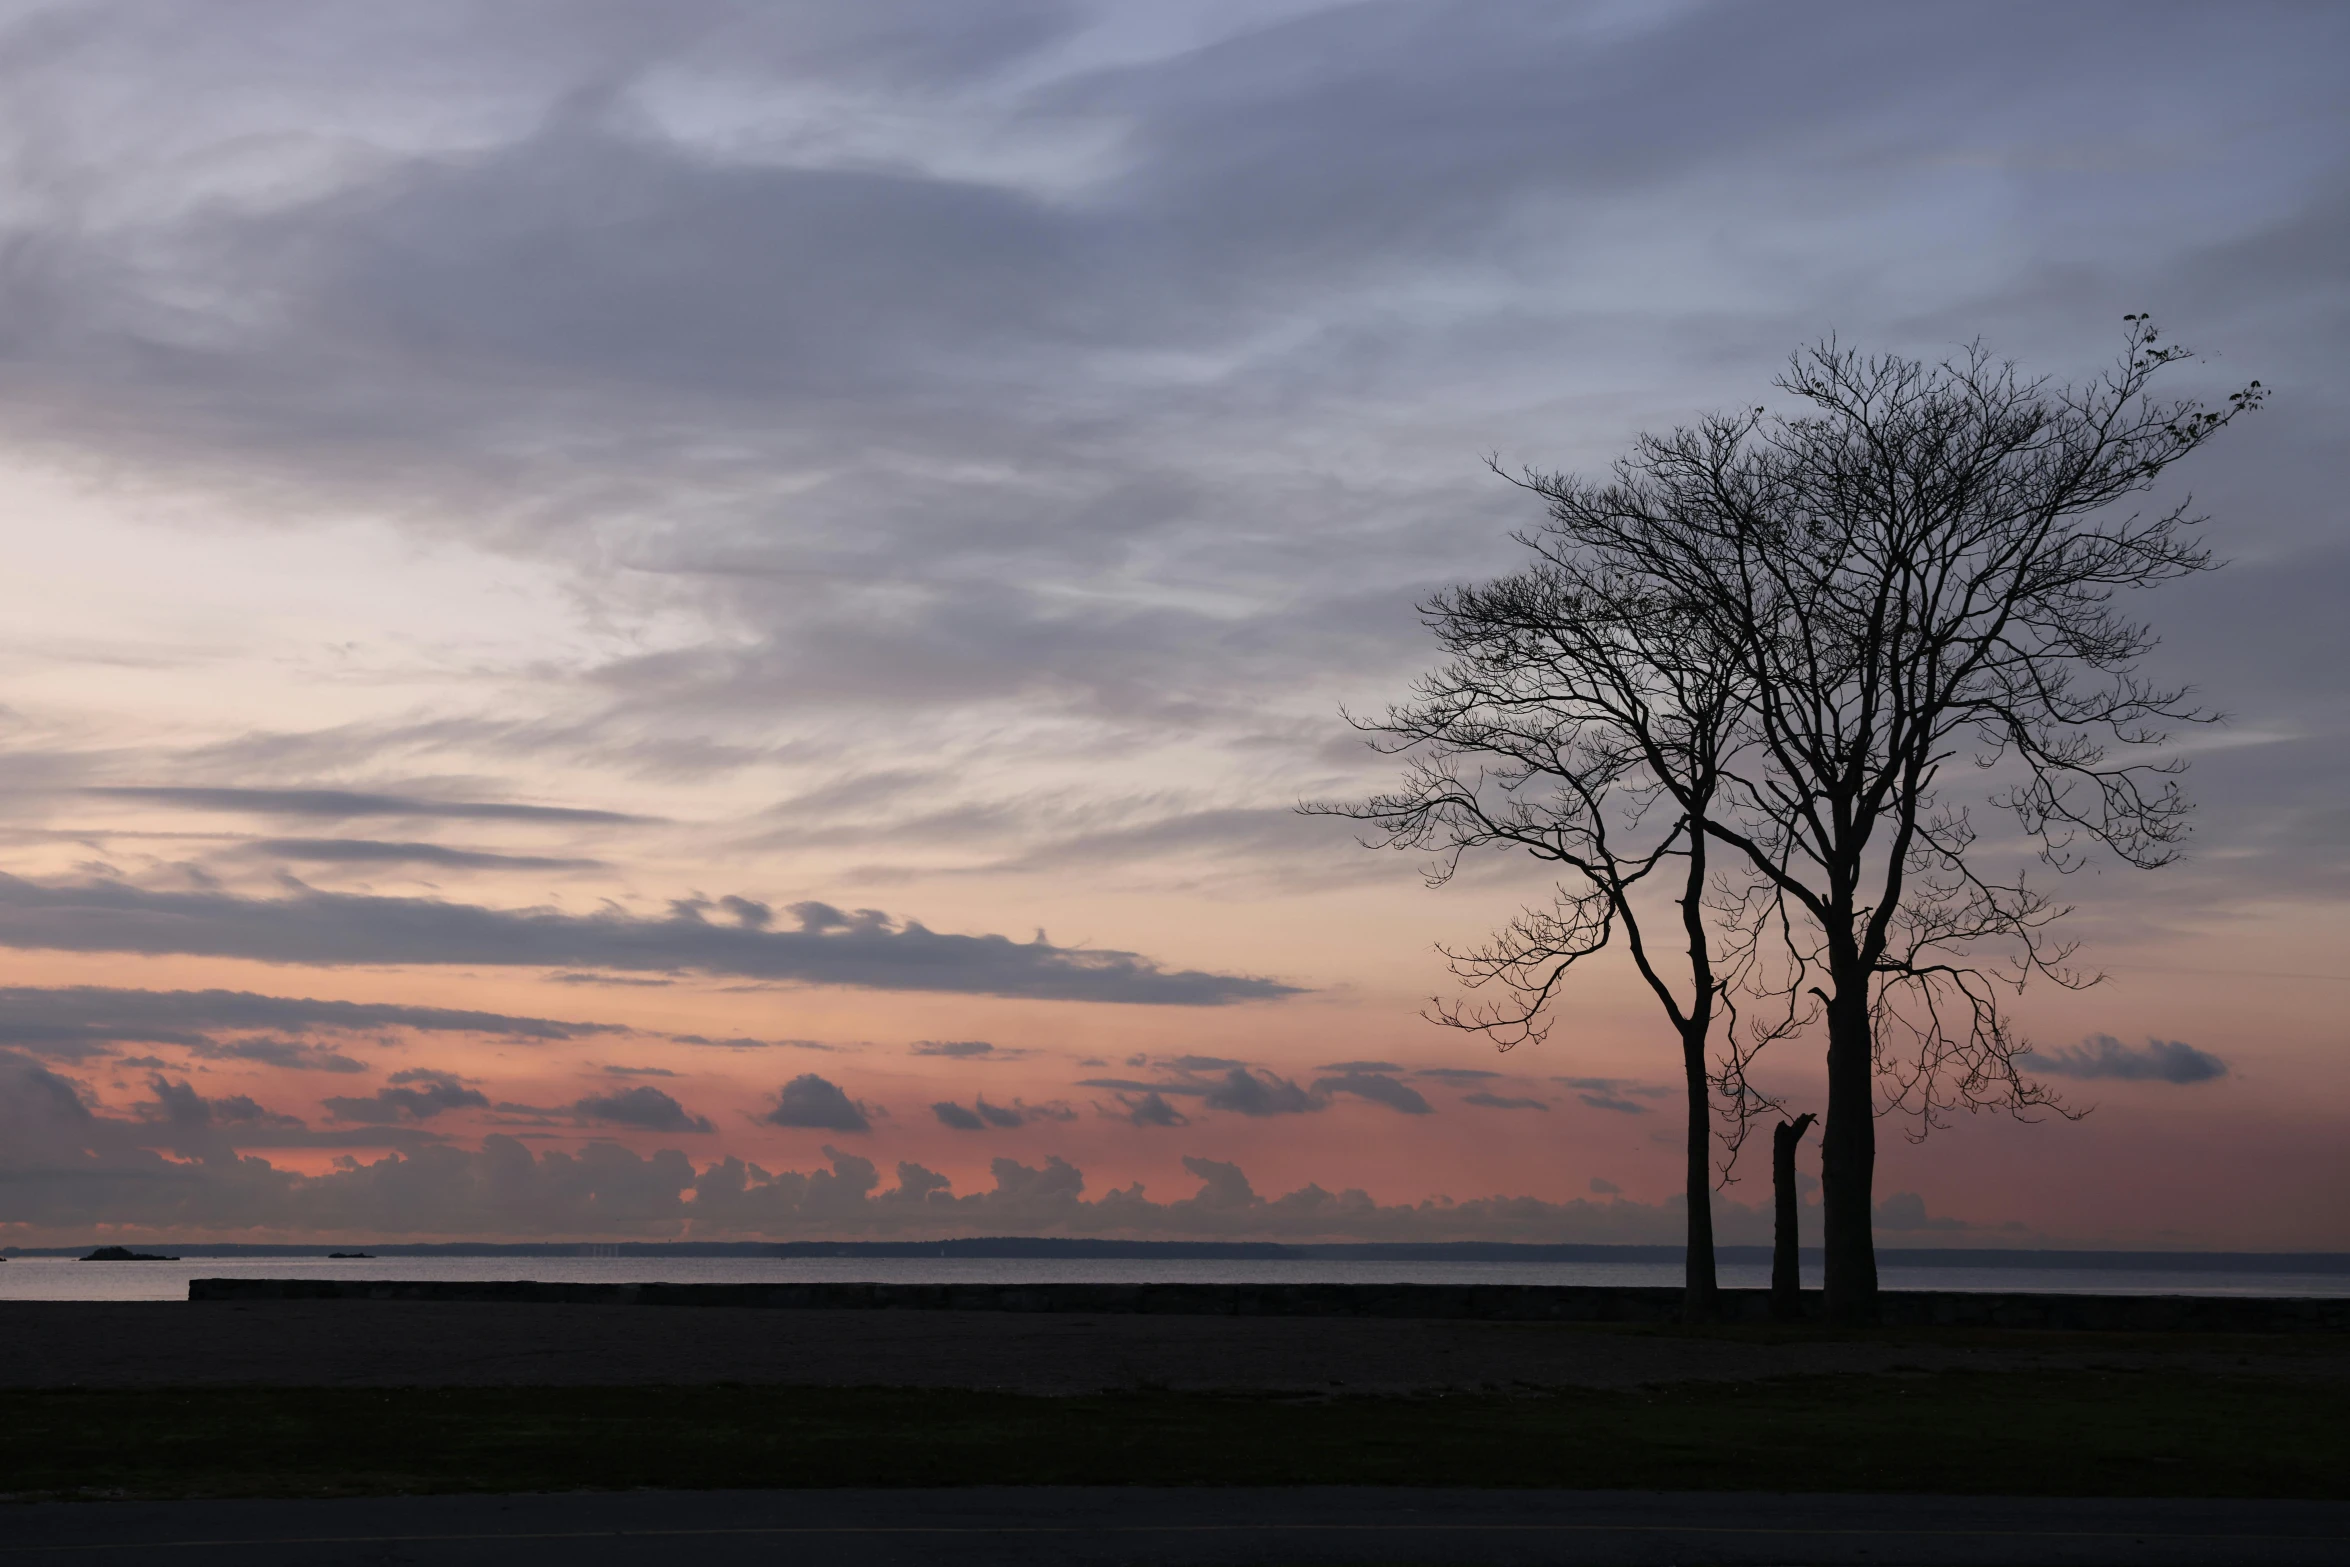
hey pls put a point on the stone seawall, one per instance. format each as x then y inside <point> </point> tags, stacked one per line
<point>1457,1302</point>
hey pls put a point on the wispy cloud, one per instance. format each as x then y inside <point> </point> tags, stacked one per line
<point>1621,1095</point>
<point>292,1054</point>
<point>346,804</point>
<point>370,851</point>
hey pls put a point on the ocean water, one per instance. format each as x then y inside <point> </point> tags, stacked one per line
<point>59,1278</point>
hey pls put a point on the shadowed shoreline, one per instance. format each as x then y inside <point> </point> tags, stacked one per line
<point>1426,1302</point>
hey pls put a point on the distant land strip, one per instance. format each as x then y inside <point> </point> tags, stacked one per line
<point>1065,1248</point>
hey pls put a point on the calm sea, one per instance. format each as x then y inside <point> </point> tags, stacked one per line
<point>58,1278</point>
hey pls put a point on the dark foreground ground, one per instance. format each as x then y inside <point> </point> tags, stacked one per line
<point>2072,1433</point>
<point>336,1343</point>
<point>1067,1528</point>
<point>774,1427</point>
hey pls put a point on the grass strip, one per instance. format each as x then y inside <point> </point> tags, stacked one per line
<point>2066,1433</point>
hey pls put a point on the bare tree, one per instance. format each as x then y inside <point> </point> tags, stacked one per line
<point>1917,568</point>
<point>1582,720</point>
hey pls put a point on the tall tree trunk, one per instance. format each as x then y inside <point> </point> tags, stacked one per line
<point>1699,1297</point>
<point>1786,1241</point>
<point>1848,1157</point>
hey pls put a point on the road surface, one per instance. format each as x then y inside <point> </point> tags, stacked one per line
<point>1053,1527</point>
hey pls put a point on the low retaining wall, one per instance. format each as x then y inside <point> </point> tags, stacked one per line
<point>1472,1302</point>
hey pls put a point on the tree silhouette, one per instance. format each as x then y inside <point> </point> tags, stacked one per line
<point>1918,566</point>
<point>1582,719</point>
<point>1786,1239</point>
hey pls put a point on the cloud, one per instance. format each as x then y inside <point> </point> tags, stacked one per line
<point>961,1049</point>
<point>1618,1094</point>
<point>1224,1187</point>
<point>962,297</point>
<point>1379,1088</point>
<point>369,851</point>
<point>811,1102</point>
<point>1604,1187</point>
<point>294,1055</point>
<point>241,1139</point>
<point>2103,1056</point>
<point>417,1094</point>
<point>343,804</point>
<point>864,949</point>
<point>215,1130</point>
<point>642,1108</point>
<point>1152,1110</point>
<point>862,320</point>
<point>1050,1199</point>
<point>67,1167</point>
<point>1505,1102</point>
<point>1242,1089</point>
<point>74,1021</point>
<point>749,913</point>
<point>182,1106</point>
<point>639,1071</point>
<point>1907,1211</point>
<point>1261,1094</point>
<point>1361,1066</point>
<point>1456,1074</point>
<point>983,1115</point>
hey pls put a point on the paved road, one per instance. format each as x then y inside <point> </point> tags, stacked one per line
<point>1062,1527</point>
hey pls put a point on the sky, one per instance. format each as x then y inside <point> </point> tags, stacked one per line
<point>707,620</point>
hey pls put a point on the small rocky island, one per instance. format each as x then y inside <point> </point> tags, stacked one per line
<point>125,1254</point>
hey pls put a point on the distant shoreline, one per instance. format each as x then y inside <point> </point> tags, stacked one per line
<point>1069,1248</point>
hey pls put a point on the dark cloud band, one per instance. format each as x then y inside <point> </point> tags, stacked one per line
<point>337,928</point>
